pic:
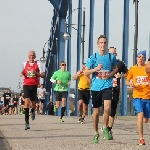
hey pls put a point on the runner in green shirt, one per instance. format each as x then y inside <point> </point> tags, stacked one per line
<point>62,80</point>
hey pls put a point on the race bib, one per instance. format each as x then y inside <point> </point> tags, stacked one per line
<point>102,74</point>
<point>114,82</point>
<point>141,80</point>
<point>30,74</point>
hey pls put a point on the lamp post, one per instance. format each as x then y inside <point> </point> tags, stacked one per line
<point>67,35</point>
<point>43,59</point>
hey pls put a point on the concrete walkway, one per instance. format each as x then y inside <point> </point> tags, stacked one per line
<point>47,133</point>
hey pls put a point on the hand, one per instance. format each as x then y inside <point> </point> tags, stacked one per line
<point>131,84</point>
<point>117,75</point>
<point>79,72</point>
<point>68,83</point>
<point>21,74</point>
<point>58,81</point>
<point>99,67</point>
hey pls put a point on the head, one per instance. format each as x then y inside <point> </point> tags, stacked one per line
<point>102,43</point>
<point>31,56</point>
<point>141,57</point>
<point>83,66</point>
<point>112,50</point>
<point>63,66</point>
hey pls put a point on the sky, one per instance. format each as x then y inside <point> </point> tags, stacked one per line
<point>25,25</point>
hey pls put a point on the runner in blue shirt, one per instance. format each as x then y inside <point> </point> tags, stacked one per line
<point>102,66</point>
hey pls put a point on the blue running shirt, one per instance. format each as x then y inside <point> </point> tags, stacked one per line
<point>99,80</point>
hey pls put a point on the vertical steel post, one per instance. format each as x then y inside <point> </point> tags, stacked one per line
<point>106,18</point>
<point>83,35</point>
<point>136,32</point>
<point>125,56</point>
<point>78,52</point>
<point>69,54</point>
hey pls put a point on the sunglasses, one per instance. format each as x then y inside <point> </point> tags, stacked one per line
<point>63,64</point>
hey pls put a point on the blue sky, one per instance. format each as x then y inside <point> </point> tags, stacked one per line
<point>25,25</point>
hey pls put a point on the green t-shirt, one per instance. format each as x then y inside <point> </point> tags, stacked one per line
<point>64,77</point>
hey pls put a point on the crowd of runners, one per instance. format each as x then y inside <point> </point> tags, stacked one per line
<point>100,78</point>
<point>13,103</point>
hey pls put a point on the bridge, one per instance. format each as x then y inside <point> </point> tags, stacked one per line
<point>58,47</point>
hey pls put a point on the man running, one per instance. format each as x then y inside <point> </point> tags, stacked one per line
<point>62,79</point>
<point>83,92</point>
<point>140,76</point>
<point>7,97</point>
<point>31,70</point>
<point>41,96</point>
<point>116,88</point>
<point>102,66</point>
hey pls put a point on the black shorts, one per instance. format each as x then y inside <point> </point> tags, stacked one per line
<point>84,95</point>
<point>99,96</point>
<point>42,100</point>
<point>30,91</point>
<point>60,95</point>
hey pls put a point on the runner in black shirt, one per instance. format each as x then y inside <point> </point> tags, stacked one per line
<point>7,97</point>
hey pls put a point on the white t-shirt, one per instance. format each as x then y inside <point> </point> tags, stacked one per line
<point>41,93</point>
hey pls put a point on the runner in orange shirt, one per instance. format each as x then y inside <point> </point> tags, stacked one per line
<point>141,93</point>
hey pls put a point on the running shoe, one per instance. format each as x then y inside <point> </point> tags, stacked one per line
<point>107,134</point>
<point>96,138</point>
<point>142,142</point>
<point>61,120</point>
<point>55,109</point>
<point>27,126</point>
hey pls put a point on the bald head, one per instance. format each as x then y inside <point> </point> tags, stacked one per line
<point>112,50</point>
<point>31,56</point>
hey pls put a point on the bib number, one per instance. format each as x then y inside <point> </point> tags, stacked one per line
<point>102,74</point>
<point>30,74</point>
<point>114,82</point>
<point>141,80</point>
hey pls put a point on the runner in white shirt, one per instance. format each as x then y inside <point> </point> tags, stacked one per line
<point>41,96</point>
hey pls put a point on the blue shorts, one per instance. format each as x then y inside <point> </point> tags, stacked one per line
<point>142,105</point>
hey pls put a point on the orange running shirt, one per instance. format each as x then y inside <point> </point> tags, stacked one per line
<point>141,82</point>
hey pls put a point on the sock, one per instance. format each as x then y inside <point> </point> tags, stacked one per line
<point>32,110</point>
<point>109,128</point>
<point>26,115</point>
<point>62,112</point>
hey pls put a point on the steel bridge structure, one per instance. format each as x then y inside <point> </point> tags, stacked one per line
<point>57,44</point>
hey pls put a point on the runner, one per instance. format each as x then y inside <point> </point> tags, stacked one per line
<point>116,88</point>
<point>141,93</point>
<point>62,79</point>
<point>41,96</point>
<point>7,97</point>
<point>102,66</point>
<point>31,70</point>
<point>83,93</point>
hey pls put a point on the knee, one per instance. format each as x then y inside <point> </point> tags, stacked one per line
<point>80,103</point>
<point>107,109</point>
<point>96,111</point>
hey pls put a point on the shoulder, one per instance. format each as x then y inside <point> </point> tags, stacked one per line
<point>24,63</point>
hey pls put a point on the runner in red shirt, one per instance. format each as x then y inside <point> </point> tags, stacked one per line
<point>31,70</point>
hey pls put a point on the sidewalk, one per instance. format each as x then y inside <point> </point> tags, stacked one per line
<point>47,133</point>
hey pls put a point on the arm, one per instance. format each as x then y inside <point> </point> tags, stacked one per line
<point>75,77</point>
<point>41,73</point>
<point>89,78</point>
<point>129,77</point>
<point>147,67</point>
<point>53,78</point>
